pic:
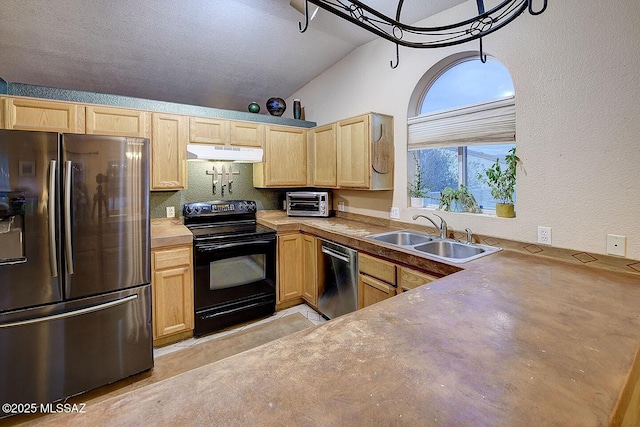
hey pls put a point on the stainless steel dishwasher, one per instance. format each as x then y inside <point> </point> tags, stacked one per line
<point>339,273</point>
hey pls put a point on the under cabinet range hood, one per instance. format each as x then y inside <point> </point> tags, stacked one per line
<point>226,153</point>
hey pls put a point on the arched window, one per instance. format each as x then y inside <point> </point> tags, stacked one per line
<point>465,120</point>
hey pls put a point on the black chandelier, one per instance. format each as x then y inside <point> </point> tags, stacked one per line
<point>486,22</point>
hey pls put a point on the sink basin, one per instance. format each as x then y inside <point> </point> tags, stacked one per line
<point>450,249</point>
<point>402,238</point>
<point>433,246</point>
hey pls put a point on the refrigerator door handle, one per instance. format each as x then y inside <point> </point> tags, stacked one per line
<point>71,313</point>
<point>53,254</point>
<point>67,216</point>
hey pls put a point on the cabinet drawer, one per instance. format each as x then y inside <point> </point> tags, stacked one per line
<point>375,267</point>
<point>410,279</point>
<point>170,258</point>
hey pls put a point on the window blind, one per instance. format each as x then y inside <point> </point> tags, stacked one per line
<point>482,123</point>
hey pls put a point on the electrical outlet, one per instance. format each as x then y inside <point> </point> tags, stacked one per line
<point>616,245</point>
<point>171,212</point>
<point>544,235</point>
<point>394,213</point>
<point>341,206</point>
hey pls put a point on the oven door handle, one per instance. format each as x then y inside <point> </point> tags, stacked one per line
<point>214,247</point>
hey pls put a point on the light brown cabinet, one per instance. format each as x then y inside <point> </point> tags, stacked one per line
<point>246,134</point>
<point>410,279</point>
<point>205,130</point>
<point>117,121</point>
<point>289,267</point>
<point>365,152</point>
<point>376,280</point>
<point>285,158</point>
<point>170,133</point>
<point>297,269</point>
<point>310,269</point>
<point>380,279</point>
<point>323,156</point>
<point>42,115</point>
<point>172,284</point>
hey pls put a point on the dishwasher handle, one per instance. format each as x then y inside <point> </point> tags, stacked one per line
<point>334,254</point>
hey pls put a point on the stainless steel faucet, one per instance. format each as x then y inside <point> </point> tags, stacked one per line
<point>469,236</point>
<point>442,228</point>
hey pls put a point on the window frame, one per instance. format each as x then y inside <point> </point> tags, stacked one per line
<point>427,82</point>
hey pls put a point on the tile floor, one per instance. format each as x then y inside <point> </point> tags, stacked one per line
<point>304,309</point>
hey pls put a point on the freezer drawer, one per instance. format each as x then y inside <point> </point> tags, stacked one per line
<point>53,352</point>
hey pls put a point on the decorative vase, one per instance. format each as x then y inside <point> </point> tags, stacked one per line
<point>297,109</point>
<point>456,206</point>
<point>276,106</point>
<point>254,107</point>
<point>417,202</point>
<point>505,211</point>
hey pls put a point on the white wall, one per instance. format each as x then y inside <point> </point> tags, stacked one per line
<point>576,70</point>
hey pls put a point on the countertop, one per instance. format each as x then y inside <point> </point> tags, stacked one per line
<point>169,232</point>
<point>509,339</point>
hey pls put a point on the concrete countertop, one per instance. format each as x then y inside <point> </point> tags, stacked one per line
<point>511,339</point>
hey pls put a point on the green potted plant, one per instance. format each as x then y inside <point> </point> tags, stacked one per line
<point>502,182</point>
<point>459,200</point>
<point>417,188</point>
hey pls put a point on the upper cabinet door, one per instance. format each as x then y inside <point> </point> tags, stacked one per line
<point>41,115</point>
<point>365,152</point>
<point>118,121</point>
<point>323,156</point>
<point>354,162</point>
<point>205,130</point>
<point>285,157</point>
<point>247,134</point>
<point>169,151</point>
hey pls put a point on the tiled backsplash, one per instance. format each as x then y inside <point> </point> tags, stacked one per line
<point>200,189</point>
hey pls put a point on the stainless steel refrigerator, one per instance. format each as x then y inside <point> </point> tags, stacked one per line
<point>75,293</point>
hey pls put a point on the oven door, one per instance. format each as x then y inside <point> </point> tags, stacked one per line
<point>234,281</point>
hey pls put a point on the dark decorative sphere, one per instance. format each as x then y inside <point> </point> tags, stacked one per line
<point>276,106</point>
<point>254,107</point>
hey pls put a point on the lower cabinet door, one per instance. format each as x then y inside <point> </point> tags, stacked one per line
<point>172,282</point>
<point>371,291</point>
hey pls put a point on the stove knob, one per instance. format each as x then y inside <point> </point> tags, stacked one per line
<point>188,209</point>
<point>252,206</point>
<point>198,209</point>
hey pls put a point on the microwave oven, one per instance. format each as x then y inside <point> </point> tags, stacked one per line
<point>309,203</point>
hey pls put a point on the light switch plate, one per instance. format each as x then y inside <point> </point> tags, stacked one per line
<point>616,245</point>
<point>394,213</point>
<point>341,206</point>
<point>171,212</point>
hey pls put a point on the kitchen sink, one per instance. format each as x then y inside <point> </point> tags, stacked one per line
<point>433,246</point>
<point>402,238</point>
<point>450,249</point>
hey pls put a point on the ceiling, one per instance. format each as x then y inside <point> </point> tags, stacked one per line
<point>214,53</point>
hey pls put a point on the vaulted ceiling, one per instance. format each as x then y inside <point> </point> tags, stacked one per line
<point>214,53</point>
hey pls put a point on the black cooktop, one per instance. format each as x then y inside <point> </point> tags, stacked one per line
<point>219,219</point>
